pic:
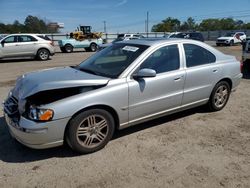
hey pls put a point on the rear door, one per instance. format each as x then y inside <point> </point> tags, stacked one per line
<point>202,73</point>
<point>27,44</point>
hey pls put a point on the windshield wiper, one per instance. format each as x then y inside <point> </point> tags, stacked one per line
<point>89,71</point>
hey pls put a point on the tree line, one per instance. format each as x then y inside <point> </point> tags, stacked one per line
<point>32,24</point>
<point>212,24</point>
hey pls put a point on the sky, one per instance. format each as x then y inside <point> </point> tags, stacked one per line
<point>120,15</point>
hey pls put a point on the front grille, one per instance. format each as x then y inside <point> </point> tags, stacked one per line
<point>11,108</point>
<point>221,40</point>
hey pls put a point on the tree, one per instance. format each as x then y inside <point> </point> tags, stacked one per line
<point>168,25</point>
<point>210,24</point>
<point>188,25</point>
<point>226,24</point>
<point>35,25</point>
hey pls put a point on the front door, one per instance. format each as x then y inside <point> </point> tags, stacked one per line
<point>9,47</point>
<point>156,95</point>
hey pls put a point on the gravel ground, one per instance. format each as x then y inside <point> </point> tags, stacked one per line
<point>193,148</point>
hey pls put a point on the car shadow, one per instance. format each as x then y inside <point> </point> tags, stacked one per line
<point>12,151</point>
<point>15,60</point>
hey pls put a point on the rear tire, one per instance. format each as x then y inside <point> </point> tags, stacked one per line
<point>219,96</point>
<point>90,130</point>
<point>62,49</point>
<point>43,54</point>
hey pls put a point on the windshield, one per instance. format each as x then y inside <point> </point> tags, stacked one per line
<point>112,61</point>
<point>118,39</point>
<point>229,35</point>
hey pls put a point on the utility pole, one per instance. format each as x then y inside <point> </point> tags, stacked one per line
<point>105,31</point>
<point>147,24</point>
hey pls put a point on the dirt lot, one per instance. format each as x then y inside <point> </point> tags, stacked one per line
<point>189,149</point>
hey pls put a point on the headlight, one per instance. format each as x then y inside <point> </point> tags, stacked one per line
<point>40,114</point>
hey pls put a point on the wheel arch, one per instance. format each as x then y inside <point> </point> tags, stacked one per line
<point>41,49</point>
<point>102,107</point>
<point>92,43</point>
<point>228,80</point>
<point>68,44</point>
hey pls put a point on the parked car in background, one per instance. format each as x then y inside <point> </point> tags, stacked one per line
<point>122,85</point>
<point>129,36</point>
<point>231,38</point>
<point>26,45</point>
<point>186,35</point>
<point>246,55</point>
<point>90,45</point>
<point>121,38</point>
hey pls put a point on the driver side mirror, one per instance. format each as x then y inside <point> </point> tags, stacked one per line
<point>145,73</point>
<point>2,43</point>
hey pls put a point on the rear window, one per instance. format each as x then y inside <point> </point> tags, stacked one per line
<point>45,37</point>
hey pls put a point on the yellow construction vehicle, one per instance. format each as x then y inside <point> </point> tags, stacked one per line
<point>84,32</point>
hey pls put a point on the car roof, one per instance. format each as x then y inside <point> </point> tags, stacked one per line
<point>153,41</point>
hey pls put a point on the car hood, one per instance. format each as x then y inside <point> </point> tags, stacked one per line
<point>56,78</point>
<point>225,38</point>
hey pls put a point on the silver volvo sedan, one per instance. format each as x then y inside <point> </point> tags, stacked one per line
<point>125,84</point>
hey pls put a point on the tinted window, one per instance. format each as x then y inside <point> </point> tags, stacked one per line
<point>178,35</point>
<point>196,55</point>
<point>163,60</point>
<point>45,37</point>
<point>11,39</point>
<point>25,38</point>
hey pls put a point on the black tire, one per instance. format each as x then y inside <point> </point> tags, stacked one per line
<point>219,96</point>
<point>93,47</point>
<point>68,48</point>
<point>43,54</point>
<point>62,49</point>
<point>231,43</point>
<point>90,130</point>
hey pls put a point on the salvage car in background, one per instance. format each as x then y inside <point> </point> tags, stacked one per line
<point>26,45</point>
<point>121,37</point>
<point>122,85</point>
<point>231,38</point>
<point>186,35</point>
<point>246,55</point>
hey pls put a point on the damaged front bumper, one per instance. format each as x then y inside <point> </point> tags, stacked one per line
<point>37,135</point>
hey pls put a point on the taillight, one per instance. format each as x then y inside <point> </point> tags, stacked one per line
<point>51,43</point>
<point>241,66</point>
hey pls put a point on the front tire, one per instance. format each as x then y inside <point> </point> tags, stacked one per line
<point>231,43</point>
<point>90,130</point>
<point>43,54</point>
<point>93,47</point>
<point>219,96</point>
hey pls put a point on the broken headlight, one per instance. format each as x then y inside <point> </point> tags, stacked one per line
<point>38,114</point>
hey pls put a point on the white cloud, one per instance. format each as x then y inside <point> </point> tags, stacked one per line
<point>122,2</point>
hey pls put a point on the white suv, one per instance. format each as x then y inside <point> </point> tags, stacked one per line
<point>231,38</point>
<point>23,45</point>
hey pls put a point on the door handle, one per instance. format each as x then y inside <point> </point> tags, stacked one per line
<point>215,70</point>
<point>177,78</point>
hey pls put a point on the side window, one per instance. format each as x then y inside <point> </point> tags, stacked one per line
<point>163,60</point>
<point>11,39</point>
<point>25,38</point>
<point>196,55</point>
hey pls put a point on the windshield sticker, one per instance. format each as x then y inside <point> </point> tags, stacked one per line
<point>130,48</point>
